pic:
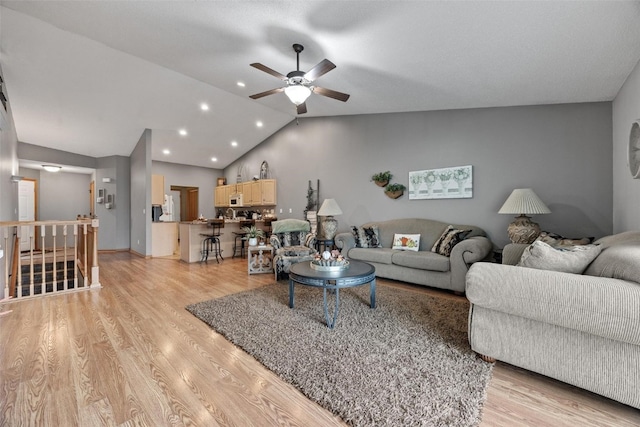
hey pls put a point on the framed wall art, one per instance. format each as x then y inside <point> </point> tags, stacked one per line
<point>445,183</point>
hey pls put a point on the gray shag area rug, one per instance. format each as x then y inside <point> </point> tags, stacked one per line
<point>407,362</point>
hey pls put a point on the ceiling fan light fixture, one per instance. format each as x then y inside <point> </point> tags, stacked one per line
<point>297,94</point>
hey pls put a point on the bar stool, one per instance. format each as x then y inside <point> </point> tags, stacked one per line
<point>240,235</point>
<point>211,242</point>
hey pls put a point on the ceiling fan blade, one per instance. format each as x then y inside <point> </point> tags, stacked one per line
<point>331,93</point>
<point>302,108</point>
<point>269,92</point>
<point>322,68</point>
<point>269,70</point>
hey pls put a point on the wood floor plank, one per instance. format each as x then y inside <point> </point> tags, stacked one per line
<point>129,354</point>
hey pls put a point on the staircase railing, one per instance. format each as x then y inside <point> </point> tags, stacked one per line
<point>49,257</point>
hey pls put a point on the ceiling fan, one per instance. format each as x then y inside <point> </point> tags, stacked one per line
<point>299,86</point>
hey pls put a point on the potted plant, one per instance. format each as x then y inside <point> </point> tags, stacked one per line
<point>252,233</point>
<point>382,178</point>
<point>394,190</point>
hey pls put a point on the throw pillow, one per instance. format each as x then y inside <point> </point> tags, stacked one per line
<point>406,242</point>
<point>555,239</point>
<point>450,237</point>
<point>366,237</point>
<point>574,259</point>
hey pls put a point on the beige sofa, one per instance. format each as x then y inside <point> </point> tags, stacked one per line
<point>583,329</point>
<point>422,267</point>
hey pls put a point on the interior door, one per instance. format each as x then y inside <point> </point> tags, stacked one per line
<point>92,199</point>
<point>192,205</point>
<point>26,210</point>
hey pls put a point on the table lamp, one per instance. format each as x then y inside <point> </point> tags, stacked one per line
<point>523,201</point>
<point>328,209</point>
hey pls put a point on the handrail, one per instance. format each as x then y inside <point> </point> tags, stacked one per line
<point>67,250</point>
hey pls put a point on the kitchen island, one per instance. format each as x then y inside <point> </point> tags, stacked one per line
<point>191,237</point>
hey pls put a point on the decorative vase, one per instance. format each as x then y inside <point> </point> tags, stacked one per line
<point>329,227</point>
<point>394,194</point>
<point>253,241</point>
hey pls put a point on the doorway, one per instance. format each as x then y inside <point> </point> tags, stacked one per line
<point>189,202</point>
<point>27,211</point>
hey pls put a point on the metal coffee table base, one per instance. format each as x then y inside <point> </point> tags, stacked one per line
<point>333,284</point>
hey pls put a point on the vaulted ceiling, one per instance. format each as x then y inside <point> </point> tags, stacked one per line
<point>89,76</point>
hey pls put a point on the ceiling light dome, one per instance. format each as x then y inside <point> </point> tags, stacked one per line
<point>297,94</point>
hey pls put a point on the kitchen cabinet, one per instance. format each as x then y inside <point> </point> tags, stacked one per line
<point>157,189</point>
<point>222,193</point>
<point>229,191</point>
<point>254,193</point>
<point>247,193</point>
<point>219,199</point>
<point>263,192</point>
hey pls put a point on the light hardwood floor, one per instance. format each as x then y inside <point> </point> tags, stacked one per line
<point>129,354</point>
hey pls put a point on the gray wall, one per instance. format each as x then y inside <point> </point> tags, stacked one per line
<point>626,190</point>
<point>141,195</point>
<point>113,232</point>
<point>61,196</point>
<point>50,155</point>
<point>563,152</point>
<point>8,167</point>
<point>190,176</point>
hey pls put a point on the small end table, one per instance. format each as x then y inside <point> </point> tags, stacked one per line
<point>324,244</point>
<point>260,259</point>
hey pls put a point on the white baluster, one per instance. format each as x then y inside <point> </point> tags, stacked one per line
<point>32,229</point>
<point>64,268</point>
<point>75,256</point>
<point>54,230</point>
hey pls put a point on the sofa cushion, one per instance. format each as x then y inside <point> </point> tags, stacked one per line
<point>379,255</point>
<point>366,237</point>
<point>573,259</point>
<point>406,242</point>
<point>424,260</point>
<point>618,262</point>
<point>449,238</point>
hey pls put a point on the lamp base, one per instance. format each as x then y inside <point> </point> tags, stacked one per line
<point>329,228</point>
<point>523,230</point>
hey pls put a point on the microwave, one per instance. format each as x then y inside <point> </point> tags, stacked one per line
<point>235,200</point>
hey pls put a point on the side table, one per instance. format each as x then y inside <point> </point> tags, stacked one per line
<point>260,259</point>
<point>324,244</point>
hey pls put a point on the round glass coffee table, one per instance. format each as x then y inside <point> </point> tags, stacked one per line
<point>359,273</point>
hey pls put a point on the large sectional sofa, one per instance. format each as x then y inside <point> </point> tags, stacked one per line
<point>583,329</point>
<point>423,267</point>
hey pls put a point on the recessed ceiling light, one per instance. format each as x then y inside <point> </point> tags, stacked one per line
<point>165,151</point>
<point>204,107</point>
<point>52,168</point>
<point>182,132</point>
<point>259,124</point>
<point>241,84</point>
<point>234,143</point>
<point>214,159</point>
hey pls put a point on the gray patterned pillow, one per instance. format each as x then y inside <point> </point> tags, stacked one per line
<point>448,240</point>
<point>366,237</point>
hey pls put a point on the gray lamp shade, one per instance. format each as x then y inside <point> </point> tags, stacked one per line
<point>329,208</point>
<point>523,201</point>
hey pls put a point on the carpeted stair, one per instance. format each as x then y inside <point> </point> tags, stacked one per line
<point>48,277</point>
